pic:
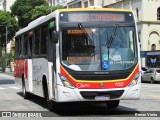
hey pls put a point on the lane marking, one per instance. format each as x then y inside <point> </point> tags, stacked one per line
<point>153,96</point>
<point>17,88</point>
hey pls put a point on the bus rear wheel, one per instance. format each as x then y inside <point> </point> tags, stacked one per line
<point>50,104</point>
<point>152,81</point>
<point>113,104</point>
<point>25,93</point>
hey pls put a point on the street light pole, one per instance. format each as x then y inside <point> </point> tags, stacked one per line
<point>6,38</point>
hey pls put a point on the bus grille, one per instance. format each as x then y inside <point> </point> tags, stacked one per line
<point>93,94</point>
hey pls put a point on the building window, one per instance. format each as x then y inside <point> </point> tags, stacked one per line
<point>153,47</point>
<point>158,13</point>
<point>86,4</point>
<point>91,2</point>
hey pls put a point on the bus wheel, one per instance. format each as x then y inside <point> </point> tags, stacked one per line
<point>142,80</point>
<point>50,103</point>
<point>152,81</point>
<point>25,93</point>
<point>113,104</point>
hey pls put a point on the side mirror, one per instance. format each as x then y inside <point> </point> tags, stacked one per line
<point>55,37</point>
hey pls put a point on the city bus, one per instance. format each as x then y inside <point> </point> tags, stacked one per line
<point>80,54</point>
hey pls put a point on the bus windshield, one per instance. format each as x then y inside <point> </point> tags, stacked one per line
<point>97,49</point>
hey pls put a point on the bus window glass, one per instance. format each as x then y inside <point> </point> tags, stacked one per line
<point>20,46</point>
<point>121,51</point>
<point>91,51</point>
<point>36,42</point>
<point>44,40</point>
<point>25,46</point>
<point>17,47</point>
<point>79,50</point>
<point>30,46</point>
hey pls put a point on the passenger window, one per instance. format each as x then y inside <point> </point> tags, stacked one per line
<point>25,46</point>
<point>36,42</point>
<point>44,37</point>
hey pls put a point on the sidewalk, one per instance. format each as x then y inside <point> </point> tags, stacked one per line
<point>7,73</point>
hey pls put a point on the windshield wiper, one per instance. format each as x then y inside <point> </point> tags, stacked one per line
<point>86,34</point>
<point>109,43</point>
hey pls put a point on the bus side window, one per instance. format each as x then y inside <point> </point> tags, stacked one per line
<point>30,47</point>
<point>17,48</point>
<point>20,47</point>
<point>25,46</point>
<point>43,43</point>
<point>36,42</point>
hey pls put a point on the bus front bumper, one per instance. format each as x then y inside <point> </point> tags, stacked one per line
<point>76,95</point>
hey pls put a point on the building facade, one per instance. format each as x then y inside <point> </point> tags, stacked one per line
<point>147,13</point>
<point>6,4</point>
<point>78,3</point>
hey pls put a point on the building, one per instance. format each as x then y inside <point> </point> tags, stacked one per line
<point>57,2</point>
<point>1,4</point>
<point>78,3</point>
<point>147,13</point>
<point>6,4</point>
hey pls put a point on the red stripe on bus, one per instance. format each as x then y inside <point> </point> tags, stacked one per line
<point>100,84</point>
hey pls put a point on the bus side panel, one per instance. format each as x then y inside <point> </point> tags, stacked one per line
<point>19,68</point>
<point>16,68</point>
<point>40,69</point>
<point>19,71</point>
<point>29,74</point>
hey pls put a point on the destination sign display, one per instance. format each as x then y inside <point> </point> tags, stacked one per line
<point>78,31</point>
<point>95,16</point>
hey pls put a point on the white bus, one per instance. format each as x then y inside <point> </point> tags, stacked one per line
<point>83,54</point>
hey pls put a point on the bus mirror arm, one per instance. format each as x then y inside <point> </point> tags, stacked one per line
<point>55,36</point>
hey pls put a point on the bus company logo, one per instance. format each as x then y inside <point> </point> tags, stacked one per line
<point>102,85</point>
<point>82,85</point>
<point>119,84</point>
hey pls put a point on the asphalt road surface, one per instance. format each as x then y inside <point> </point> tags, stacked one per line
<point>11,100</point>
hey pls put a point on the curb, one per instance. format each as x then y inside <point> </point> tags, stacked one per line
<point>11,73</point>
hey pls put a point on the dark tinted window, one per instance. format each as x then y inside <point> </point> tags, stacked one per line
<point>36,42</point>
<point>44,37</point>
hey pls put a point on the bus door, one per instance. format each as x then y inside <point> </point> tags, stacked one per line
<point>52,63</point>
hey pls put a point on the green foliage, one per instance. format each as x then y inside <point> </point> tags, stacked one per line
<point>39,11</point>
<point>22,9</point>
<point>6,59</point>
<point>28,10</point>
<point>12,26</point>
<point>57,7</point>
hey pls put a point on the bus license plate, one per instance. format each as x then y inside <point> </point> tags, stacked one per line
<point>102,98</point>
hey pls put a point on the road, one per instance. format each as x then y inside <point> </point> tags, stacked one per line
<point>11,100</point>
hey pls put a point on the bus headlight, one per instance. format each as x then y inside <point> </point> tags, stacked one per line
<point>134,80</point>
<point>66,82</point>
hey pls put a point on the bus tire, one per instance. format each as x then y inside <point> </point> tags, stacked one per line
<point>152,81</point>
<point>24,92</point>
<point>50,103</point>
<point>142,81</point>
<point>113,104</point>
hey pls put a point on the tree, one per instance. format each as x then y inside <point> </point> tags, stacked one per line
<point>12,26</point>
<point>22,9</point>
<point>28,10</point>
<point>39,11</point>
<point>43,10</point>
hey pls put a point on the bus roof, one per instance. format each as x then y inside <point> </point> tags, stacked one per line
<point>93,9</point>
<point>43,19</point>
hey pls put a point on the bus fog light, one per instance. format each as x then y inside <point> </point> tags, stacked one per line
<point>66,82</point>
<point>134,80</point>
